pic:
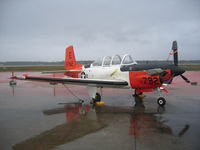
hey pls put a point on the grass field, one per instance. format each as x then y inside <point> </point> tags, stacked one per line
<point>31,68</point>
<point>191,67</point>
<point>50,68</point>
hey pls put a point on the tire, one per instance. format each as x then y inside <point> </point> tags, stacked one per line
<point>161,101</point>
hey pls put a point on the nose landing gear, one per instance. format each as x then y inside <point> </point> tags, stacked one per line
<point>139,96</point>
<point>161,101</point>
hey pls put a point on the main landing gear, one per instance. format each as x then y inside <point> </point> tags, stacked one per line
<point>97,100</point>
<point>138,97</point>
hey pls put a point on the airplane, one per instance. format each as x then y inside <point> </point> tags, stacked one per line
<point>115,72</point>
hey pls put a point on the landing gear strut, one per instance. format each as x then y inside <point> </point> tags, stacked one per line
<point>97,98</point>
<point>161,101</point>
<point>139,95</point>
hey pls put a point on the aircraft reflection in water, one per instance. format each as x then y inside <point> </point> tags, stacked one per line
<point>82,120</point>
<point>143,122</point>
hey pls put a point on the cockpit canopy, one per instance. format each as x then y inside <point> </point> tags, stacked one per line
<point>127,60</point>
<point>106,61</point>
<point>115,60</point>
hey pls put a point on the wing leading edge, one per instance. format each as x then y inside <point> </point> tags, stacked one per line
<point>76,81</point>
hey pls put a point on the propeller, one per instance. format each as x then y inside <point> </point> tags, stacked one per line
<point>185,79</point>
<point>171,78</point>
<point>175,70</point>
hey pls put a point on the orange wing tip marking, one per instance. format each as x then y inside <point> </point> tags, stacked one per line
<point>13,77</point>
<point>25,75</point>
<point>20,77</point>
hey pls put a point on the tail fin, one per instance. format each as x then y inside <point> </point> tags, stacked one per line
<point>70,60</point>
<point>175,52</point>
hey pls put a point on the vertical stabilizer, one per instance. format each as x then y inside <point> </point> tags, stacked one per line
<point>70,60</point>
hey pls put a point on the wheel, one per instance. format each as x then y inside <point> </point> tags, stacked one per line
<point>161,101</point>
<point>97,97</point>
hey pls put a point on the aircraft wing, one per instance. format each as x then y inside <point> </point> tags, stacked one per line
<point>76,81</point>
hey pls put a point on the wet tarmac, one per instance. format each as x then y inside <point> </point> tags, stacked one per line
<point>42,116</point>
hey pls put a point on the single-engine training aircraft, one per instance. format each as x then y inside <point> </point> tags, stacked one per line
<point>115,72</point>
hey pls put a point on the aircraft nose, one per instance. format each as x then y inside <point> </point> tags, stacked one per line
<point>177,71</point>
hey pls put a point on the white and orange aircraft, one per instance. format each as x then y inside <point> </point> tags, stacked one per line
<point>115,72</point>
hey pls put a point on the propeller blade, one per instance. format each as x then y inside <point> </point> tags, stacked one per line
<point>185,79</point>
<point>175,51</point>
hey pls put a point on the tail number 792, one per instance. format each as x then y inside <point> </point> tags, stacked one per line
<point>151,80</point>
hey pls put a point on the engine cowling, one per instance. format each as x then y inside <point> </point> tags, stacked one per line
<point>141,80</point>
<point>166,76</point>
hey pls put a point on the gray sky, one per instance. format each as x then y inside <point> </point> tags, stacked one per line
<point>40,30</point>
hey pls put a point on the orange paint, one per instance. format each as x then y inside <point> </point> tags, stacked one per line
<point>71,64</point>
<point>70,60</point>
<point>141,80</point>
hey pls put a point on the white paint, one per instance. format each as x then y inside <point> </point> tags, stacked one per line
<point>107,73</point>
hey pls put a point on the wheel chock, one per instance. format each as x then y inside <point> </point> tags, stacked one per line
<point>100,103</point>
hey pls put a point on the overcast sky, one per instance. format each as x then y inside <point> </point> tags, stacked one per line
<point>40,30</point>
